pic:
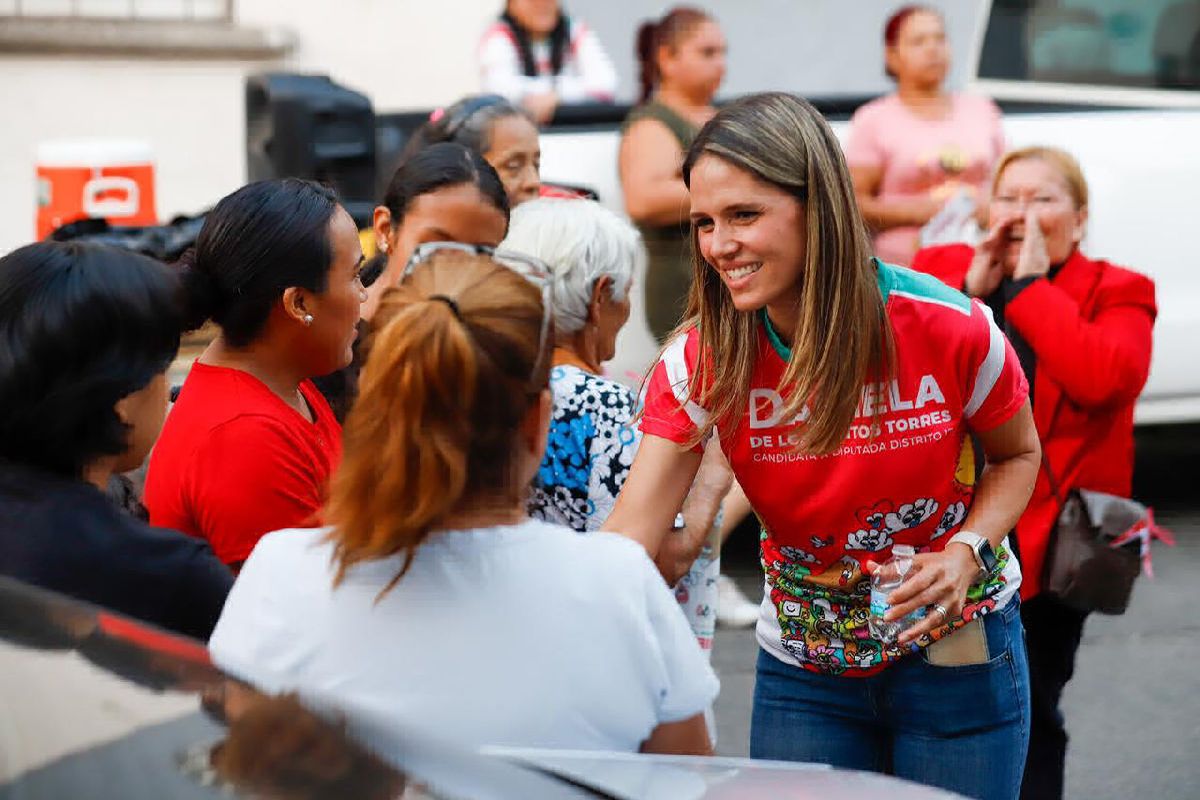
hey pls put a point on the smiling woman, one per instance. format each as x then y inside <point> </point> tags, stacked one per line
<point>843,392</point>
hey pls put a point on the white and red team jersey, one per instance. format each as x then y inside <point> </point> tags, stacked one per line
<point>587,75</point>
<point>905,473</point>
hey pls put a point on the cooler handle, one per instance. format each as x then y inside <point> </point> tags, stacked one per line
<point>95,206</point>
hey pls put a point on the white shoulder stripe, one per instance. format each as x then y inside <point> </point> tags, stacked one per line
<point>674,361</point>
<point>923,298</point>
<point>990,369</point>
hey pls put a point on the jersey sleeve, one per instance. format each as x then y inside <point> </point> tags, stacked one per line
<point>667,408</point>
<point>247,479</point>
<point>994,384</point>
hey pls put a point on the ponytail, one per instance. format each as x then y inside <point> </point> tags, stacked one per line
<point>654,34</point>
<point>256,243</point>
<point>647,45</point>
<point>442,394</point>
<point>201,295</point>
<point>425,356</point>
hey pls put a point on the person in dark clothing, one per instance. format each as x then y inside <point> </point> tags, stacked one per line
<point>86,335</point>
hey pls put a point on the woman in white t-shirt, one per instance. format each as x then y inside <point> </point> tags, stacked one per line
<point>432,599</point>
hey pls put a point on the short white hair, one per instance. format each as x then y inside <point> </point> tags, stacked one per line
<point>581,242</point>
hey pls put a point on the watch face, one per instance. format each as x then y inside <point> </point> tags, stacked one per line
<point>987,555</point>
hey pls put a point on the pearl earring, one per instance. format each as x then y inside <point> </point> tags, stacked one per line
<point>383,246</point>
<point>308,319</point>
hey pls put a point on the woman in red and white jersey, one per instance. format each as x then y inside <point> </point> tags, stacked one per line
<point>843,392</point>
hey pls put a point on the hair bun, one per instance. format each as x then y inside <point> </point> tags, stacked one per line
<point>201,295</point>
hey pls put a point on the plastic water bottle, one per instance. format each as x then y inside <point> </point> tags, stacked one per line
<point>886,579</point>
<point>696,591</point>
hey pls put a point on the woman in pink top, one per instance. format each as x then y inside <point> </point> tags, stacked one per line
<point>912,150</point>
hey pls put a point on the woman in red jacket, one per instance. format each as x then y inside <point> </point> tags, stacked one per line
<point>1082,330</point>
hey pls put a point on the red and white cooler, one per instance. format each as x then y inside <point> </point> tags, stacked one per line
<point>107,179</point>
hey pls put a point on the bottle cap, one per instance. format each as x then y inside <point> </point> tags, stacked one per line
<point>904,550</point>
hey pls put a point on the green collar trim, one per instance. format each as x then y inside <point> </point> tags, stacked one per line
<point>781,349</point>
<point>884,278</point>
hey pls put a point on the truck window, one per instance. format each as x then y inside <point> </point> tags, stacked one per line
<point>1151,44</point>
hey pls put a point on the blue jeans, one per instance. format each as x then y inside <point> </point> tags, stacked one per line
<point>965,729</point>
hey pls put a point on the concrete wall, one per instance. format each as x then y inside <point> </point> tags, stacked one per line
<point>402,53</point>
<point>191,114</point>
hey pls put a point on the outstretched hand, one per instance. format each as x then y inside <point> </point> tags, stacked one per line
<point>680,548</point>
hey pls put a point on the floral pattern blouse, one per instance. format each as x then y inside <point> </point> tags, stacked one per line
<point>590,448</point>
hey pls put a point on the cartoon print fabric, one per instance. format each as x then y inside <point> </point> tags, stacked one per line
<point>904,474</point>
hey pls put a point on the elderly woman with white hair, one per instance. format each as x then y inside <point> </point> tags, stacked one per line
<point>592,254</point>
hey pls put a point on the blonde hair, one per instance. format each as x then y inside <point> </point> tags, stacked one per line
<point>1061,160</point>
<point>843,338</point>
<point>453,365</point>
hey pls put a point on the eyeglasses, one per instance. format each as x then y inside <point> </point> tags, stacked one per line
<point>531,269</point>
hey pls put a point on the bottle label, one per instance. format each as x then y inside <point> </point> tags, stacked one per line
<point>879,603</point>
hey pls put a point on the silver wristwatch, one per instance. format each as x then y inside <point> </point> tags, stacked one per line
<point>985,556</point>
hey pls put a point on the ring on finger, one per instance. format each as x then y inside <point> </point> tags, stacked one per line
<point>941,610</point>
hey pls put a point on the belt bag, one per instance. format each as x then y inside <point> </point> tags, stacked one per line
<point>1095,552</point>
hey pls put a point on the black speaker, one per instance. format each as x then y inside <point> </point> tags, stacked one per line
<point>307,126</point>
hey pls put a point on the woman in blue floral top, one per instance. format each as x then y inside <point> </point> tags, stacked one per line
<point>592,254</point>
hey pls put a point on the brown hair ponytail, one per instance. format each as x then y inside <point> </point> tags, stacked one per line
<point>647,43</point>
<point>446,384</point>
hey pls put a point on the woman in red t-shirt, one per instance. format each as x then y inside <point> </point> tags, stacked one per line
<point>250,444</point>
<point>843,391</point>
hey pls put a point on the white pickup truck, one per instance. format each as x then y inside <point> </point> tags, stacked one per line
<point>1116,83</point>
